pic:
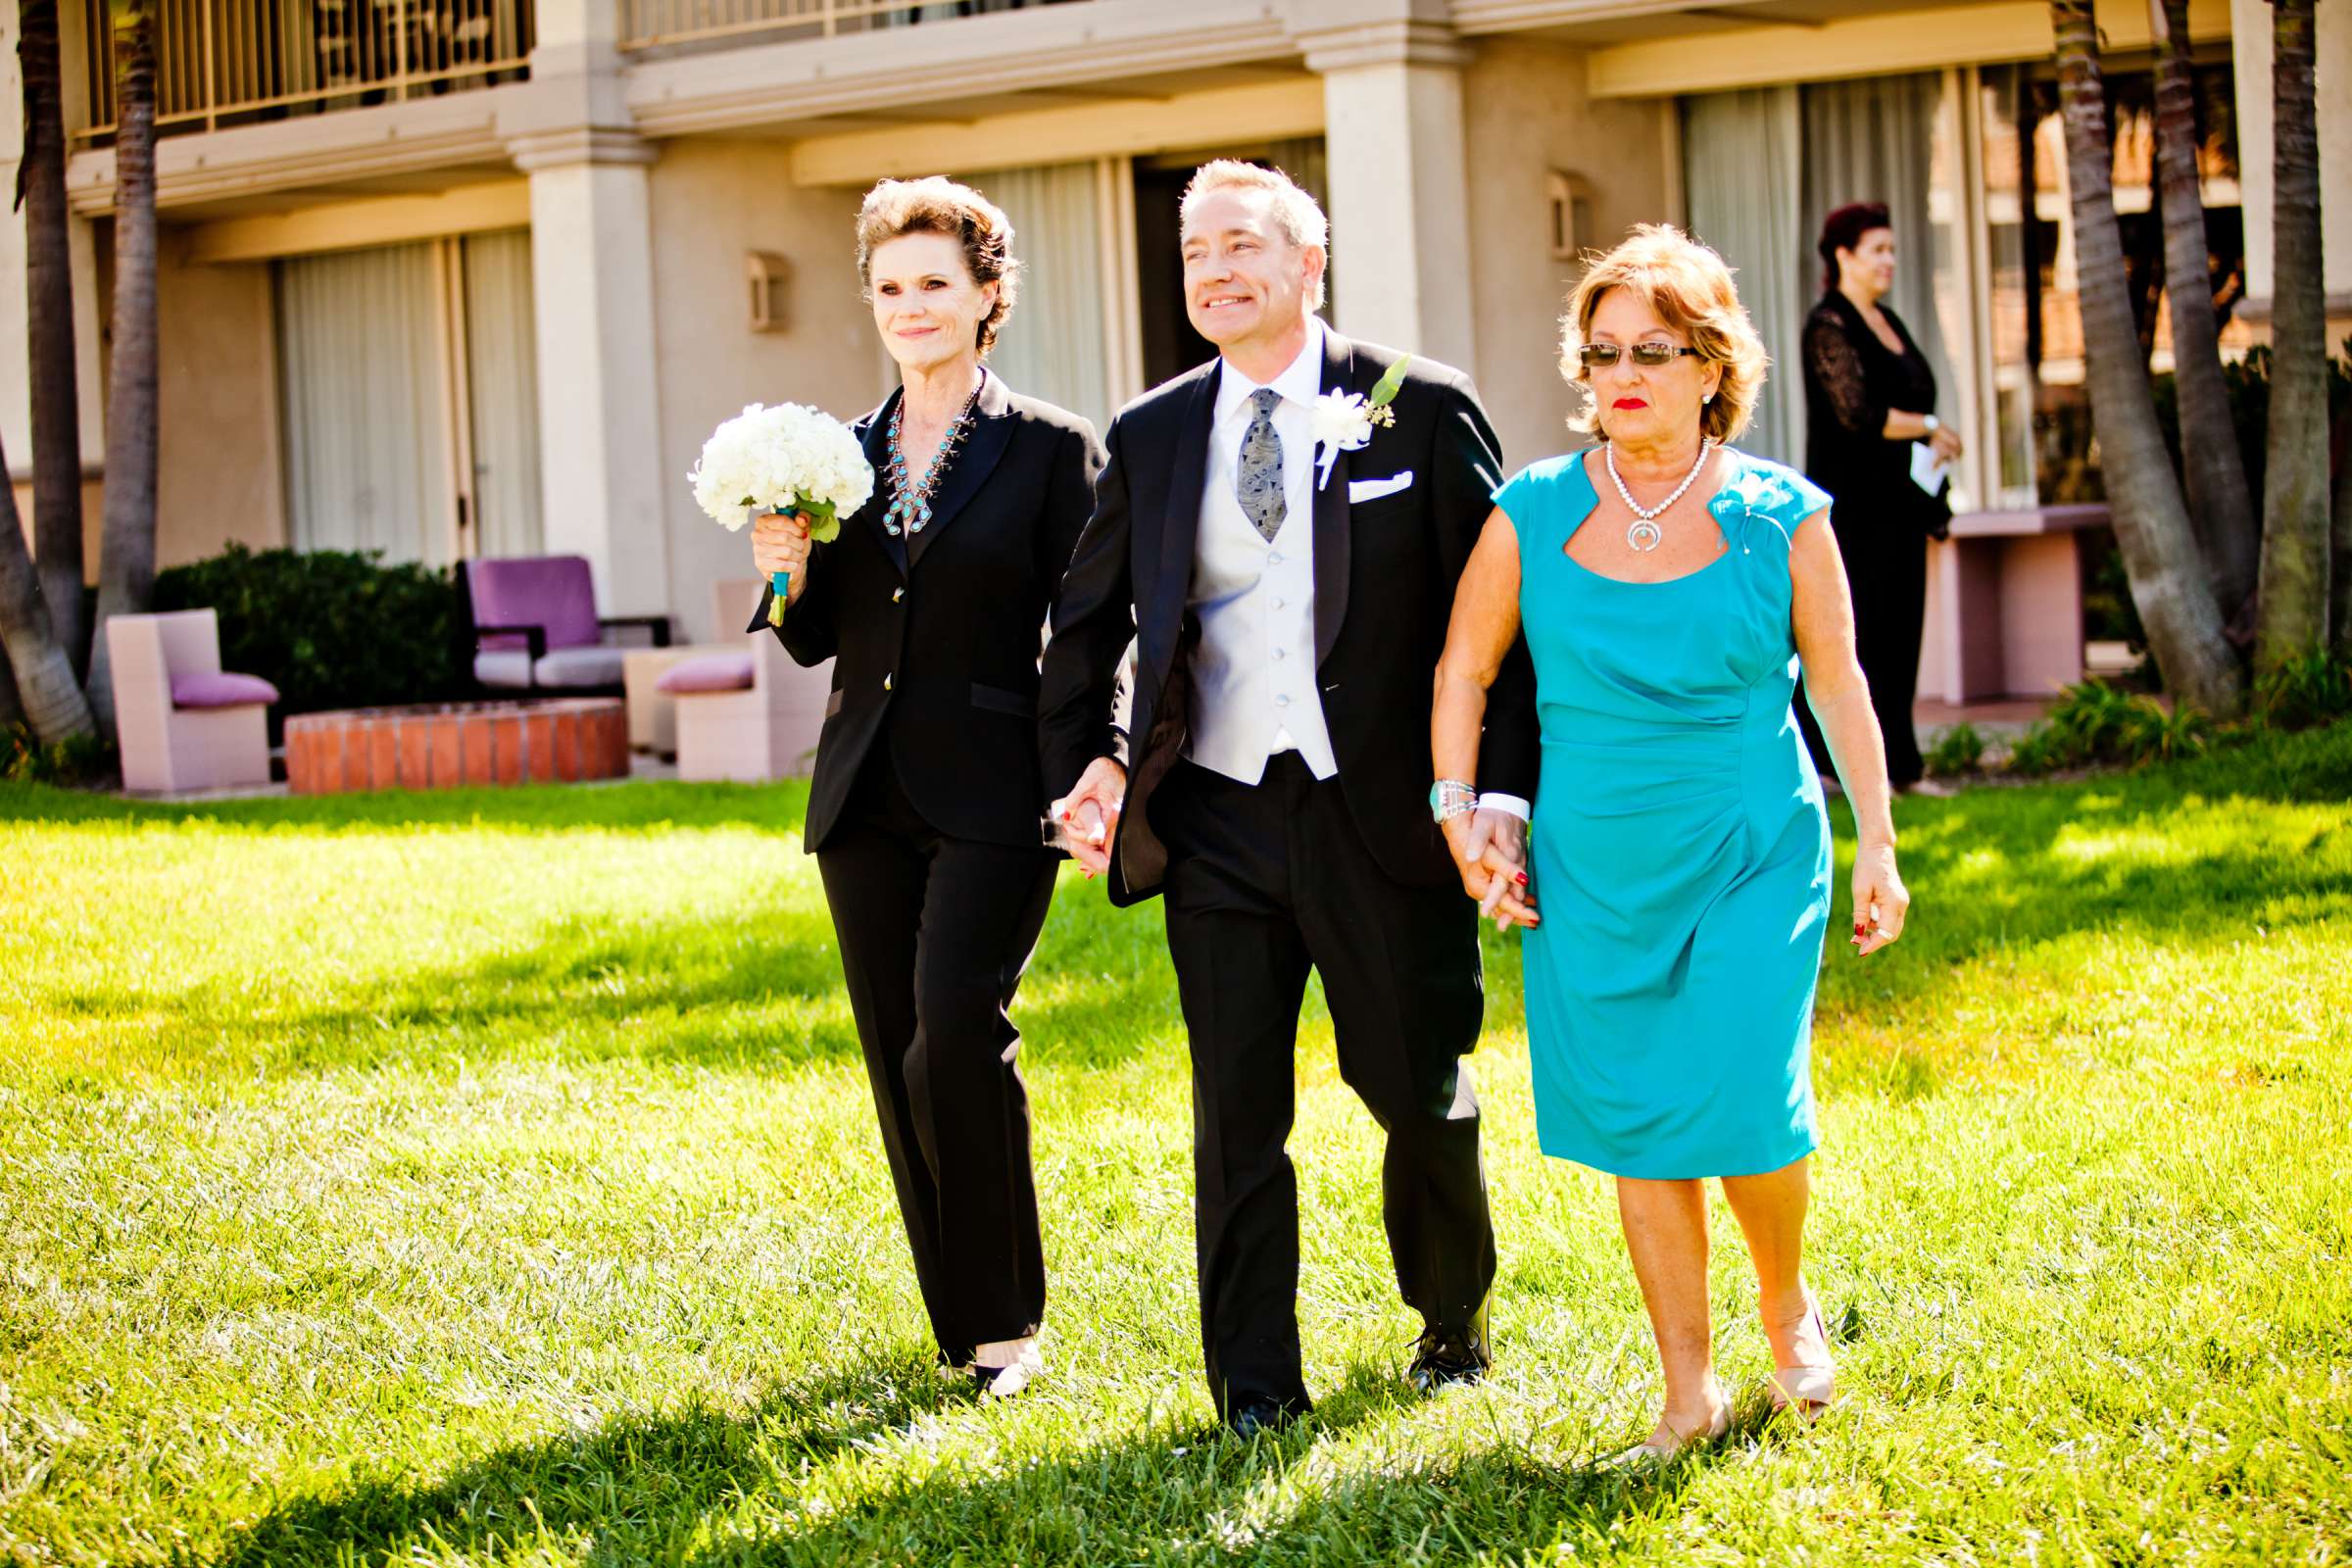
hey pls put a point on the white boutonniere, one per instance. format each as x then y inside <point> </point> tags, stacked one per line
<point>1344,422</point>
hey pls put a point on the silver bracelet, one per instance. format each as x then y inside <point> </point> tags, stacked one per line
<point>1450,798</point>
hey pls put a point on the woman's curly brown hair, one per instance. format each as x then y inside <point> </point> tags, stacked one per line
<point>936,205</point>
<point>1691,289</point>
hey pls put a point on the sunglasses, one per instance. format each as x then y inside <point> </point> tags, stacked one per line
<point>1600,355</point>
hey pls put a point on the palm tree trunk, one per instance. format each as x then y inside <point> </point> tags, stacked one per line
<point>2292,616</point>
<point>49,291</point>
<point>2341,559</point>
<point>2168,584</point>
<point>45,686</point>
<point>2220,504</point>
<point>126,555</point>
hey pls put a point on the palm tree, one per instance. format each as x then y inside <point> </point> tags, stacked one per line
<point>2340,554</point>
<point>49,291</point>
<point>2220,504</point>
<point>2151,521</point>
<point>126,548</point>
<point>2292,616</point>
<point>45,687</point>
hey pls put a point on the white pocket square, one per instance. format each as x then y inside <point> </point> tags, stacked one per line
<point>1359,490</point>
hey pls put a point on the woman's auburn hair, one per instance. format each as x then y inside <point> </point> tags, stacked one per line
<point>936,205</point>
<point>1691,289</point>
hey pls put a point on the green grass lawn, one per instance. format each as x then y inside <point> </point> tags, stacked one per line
<point>490,1177</point>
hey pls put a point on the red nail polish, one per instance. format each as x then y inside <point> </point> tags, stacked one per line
<point>1522,876</point>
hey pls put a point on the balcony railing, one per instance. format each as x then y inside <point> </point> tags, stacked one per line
<point>662,24</point>
<point>234,62</point>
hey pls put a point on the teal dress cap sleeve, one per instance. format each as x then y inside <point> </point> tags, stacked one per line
<point>1553,491</point>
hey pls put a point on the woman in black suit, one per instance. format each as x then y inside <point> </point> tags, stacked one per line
<point>925,807</point>
<point>1869,397</point>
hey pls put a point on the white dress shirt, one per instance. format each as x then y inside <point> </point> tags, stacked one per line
<point>1253,674</point>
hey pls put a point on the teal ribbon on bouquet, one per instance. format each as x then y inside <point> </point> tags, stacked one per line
<point>823,528</point>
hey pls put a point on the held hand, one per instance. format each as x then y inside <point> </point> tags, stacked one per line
<point>1499,885</point>
<point>780,543</point>
<point>1880,901</point>
<point>1946,443</point>
<point>1505,832</point>
<point>1090,813</point>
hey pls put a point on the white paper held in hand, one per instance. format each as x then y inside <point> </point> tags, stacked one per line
<point>1926,468</point>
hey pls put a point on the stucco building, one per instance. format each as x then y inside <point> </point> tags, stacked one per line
<point>453,278</point>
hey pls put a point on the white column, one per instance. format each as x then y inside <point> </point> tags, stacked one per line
<point>599,430</point>
<point>16,352</point>
<point>16,366</point>
<point>1399,194</point>
<point>2250,30</point>
<point>592,281</point>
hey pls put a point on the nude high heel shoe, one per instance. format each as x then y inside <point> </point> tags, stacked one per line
<point>1806,1390</point>
<point>1658,1450</point>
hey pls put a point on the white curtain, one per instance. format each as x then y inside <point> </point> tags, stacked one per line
<point>1052,347</point>
<point>502,369</point>
<point>1873,140</point>
<point>1743,177</point>
<point>359,356</point>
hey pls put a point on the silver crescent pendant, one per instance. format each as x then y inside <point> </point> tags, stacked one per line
<point>1644,534</point>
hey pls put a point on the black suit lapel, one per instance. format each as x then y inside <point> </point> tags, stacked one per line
<point>992,420</point>
<point>1332,525</point>
<point>1180,518</point>
<point>876,442</point>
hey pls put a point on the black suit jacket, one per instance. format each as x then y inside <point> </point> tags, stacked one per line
<point>1384,578</point>
<point>935,640</point>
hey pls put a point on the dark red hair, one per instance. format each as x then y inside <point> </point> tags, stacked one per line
<point>1843,230</point>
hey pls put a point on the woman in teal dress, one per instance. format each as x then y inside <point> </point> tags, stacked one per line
<point>1670,588</point>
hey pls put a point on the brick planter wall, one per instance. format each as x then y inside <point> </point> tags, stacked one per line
<point>444,747</point>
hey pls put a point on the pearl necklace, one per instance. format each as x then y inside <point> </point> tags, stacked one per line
<point>1644,533</point>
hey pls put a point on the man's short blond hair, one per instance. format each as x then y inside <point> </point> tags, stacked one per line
<point>1297,213</point>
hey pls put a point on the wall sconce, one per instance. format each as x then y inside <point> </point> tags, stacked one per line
<point>1571,203</point>
<point>769,274</point>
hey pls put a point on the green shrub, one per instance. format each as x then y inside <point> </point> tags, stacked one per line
<point>2094,722</point>
<point>76,760</point>
<point>2315,689</point>
<point>2150,734</point>
<point>2039,749</point>
<point>1958,748</point>
<point>2089,720</point>
<point>329,628</point>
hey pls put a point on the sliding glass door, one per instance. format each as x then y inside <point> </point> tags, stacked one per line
<point>409,399</point>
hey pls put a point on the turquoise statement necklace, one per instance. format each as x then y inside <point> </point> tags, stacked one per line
<point>911,504</point>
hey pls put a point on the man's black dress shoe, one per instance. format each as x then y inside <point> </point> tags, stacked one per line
<point>1449,1358</point>
<point>1250,1417</point>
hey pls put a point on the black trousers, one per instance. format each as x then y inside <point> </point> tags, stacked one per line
<point>935,933</point>
<point>1887,568</point>
<point>1263,883</point>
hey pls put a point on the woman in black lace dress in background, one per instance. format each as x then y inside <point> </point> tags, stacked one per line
<point>1868,398</point>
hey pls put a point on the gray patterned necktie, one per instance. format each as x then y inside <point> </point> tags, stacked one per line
<point>1258,485</point>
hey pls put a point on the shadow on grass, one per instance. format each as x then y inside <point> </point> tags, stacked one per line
<point>704,1485</point>
<point>751,988</point>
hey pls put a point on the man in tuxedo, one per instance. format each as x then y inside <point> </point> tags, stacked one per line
<point>1288,602</point>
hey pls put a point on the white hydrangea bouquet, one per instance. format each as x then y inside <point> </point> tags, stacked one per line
<point>789,457</point>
